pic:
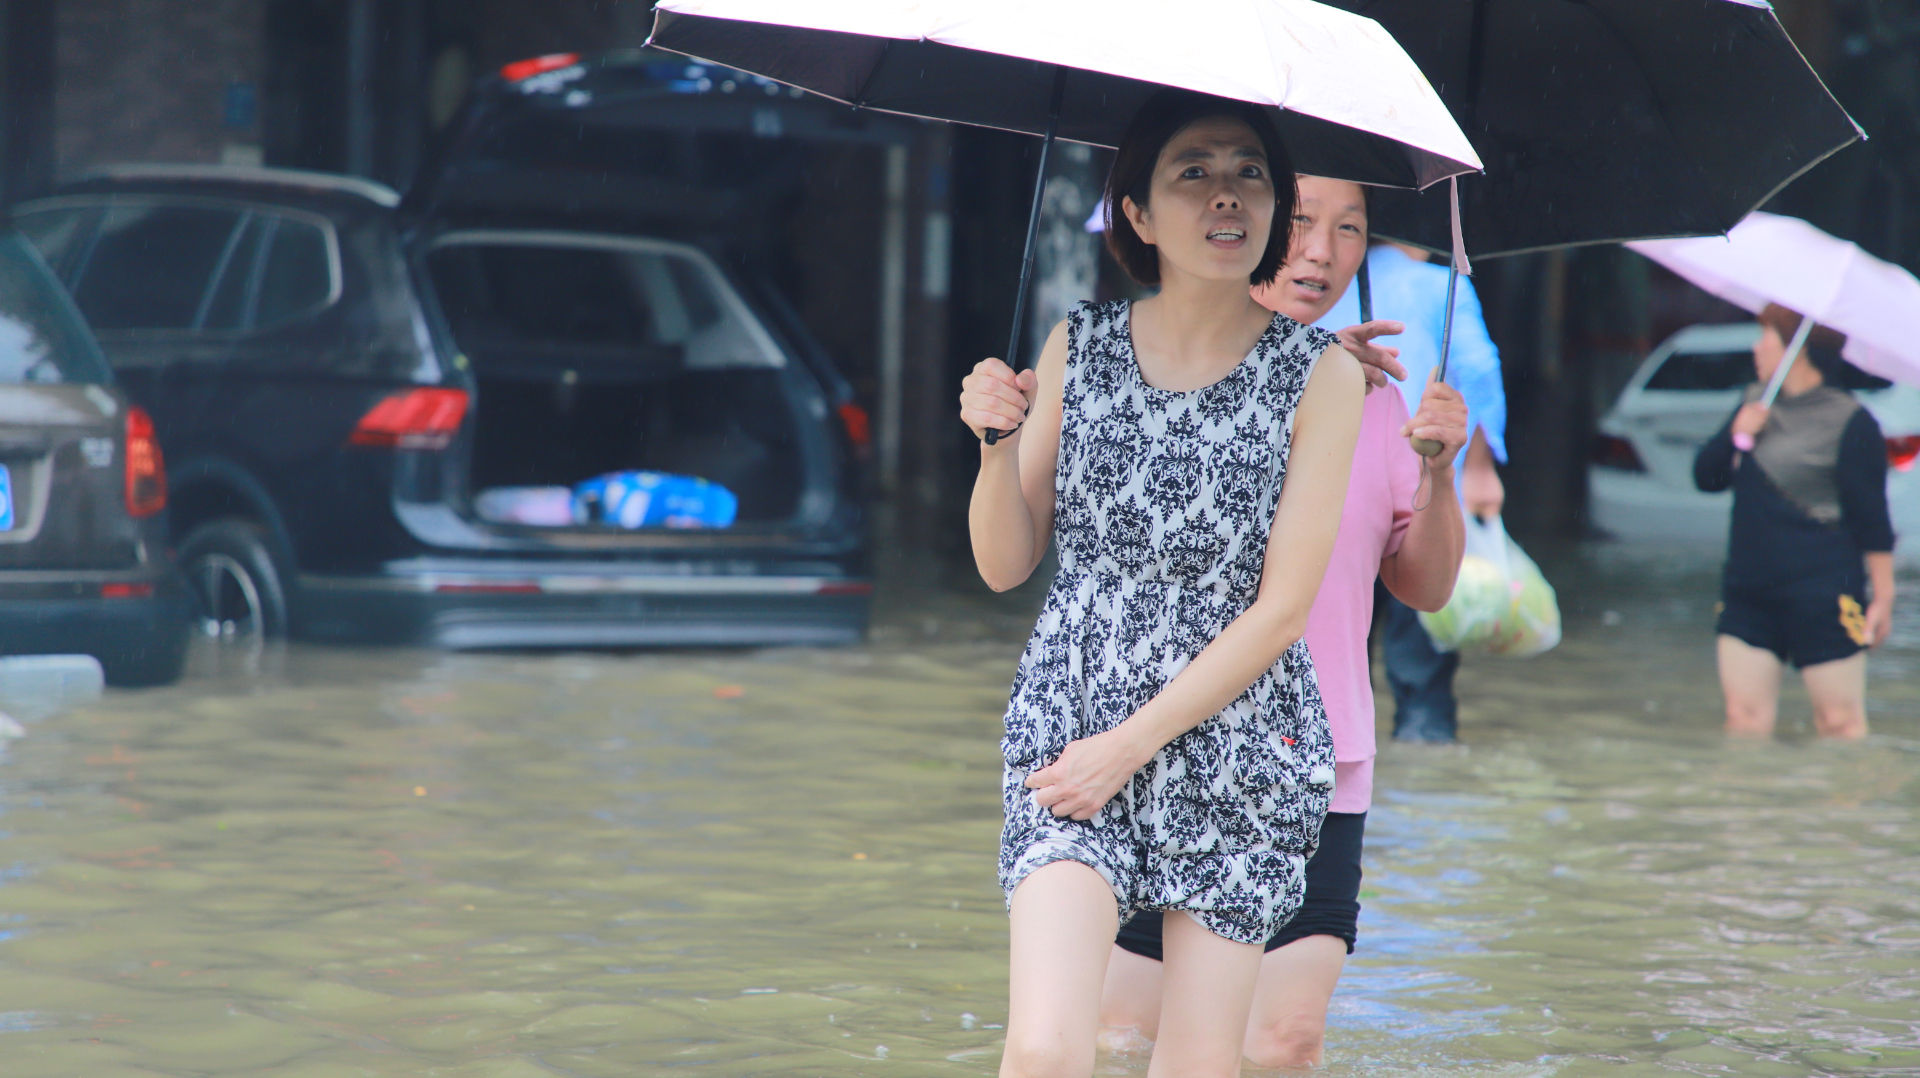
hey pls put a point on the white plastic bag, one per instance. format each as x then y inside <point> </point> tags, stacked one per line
<point>1501,603</point>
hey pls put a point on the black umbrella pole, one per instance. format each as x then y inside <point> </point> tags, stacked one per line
<point>1033,233</point>
<point>1426,447</point>
<point>1364,282</point>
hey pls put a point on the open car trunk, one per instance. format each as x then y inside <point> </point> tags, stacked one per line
<point>594,354</point>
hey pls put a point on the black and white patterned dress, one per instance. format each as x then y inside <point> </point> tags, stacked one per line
<point>1162,505</point>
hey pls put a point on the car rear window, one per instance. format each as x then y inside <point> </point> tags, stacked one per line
<point>149,265</point>
<point>55,231</point>
<point>1704,371</point>
<point>639,303</point>
<point>282,269</point>
<point>42,339</point>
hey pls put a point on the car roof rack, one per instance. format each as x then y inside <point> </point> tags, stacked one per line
<point>377,193</point>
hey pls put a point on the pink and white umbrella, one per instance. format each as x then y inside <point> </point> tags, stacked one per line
<point>1772,259</point>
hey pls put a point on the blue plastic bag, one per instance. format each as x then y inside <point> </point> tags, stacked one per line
<point>653,500</point>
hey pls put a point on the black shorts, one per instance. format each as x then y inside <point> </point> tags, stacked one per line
<point>1332,906</point>
<point>1805,628</point>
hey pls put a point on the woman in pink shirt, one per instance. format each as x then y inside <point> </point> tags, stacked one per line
<point>1416,554</point>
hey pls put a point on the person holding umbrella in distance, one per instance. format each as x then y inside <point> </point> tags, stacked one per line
<point>1416,553</point>
<point>1809,576</point>
<point>1167,747</point>
<point>1809,573</point>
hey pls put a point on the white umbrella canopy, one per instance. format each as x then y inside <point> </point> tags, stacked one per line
<point>993,63</point>
<point>1347,99</point>
<point>1768,258</point>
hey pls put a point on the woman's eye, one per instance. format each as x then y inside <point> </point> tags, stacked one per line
<point>1194,173</point>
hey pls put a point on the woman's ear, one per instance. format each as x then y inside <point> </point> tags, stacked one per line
<point>1137,217</point>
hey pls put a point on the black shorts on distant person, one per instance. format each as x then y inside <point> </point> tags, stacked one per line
<point>1332,906</point>
<point>1805,629</point>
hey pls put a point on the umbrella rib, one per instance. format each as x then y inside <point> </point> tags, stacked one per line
<point>860,95</point>
<point>1859,136</point>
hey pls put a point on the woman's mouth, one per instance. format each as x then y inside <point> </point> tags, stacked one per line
<point>1312,285</point>
<point>1227,236</point>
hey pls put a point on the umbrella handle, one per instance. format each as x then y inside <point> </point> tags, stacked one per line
<point>1427,446</point>
<point>1743,441</point>
<point>1456,265</point>
<point>1786,361</point>
<point>1033,232</point>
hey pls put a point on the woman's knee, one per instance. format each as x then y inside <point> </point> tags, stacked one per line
<point>1045,1057</point>
<point>1846,721</point>
<point>1290,1042</point>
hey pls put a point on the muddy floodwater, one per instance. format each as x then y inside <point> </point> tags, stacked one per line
<point>781,863</point>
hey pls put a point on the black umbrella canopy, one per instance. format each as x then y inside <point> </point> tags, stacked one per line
<point>1606,120</point>
<point>930,79</point>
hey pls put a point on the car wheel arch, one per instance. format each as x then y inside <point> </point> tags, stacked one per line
<point>206,489</point>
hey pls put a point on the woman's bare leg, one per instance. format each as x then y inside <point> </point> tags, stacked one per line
<point>1750,681</point>
<point>1207,984</point>
<point>1288,1026</point>
<point>1062,918</point>
<point>1130,1003</point>
<point>1839,692</point>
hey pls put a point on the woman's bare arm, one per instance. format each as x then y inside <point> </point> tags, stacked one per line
<point>1305,523</point>
<point>1422,572</point>
<point>1011,515</point>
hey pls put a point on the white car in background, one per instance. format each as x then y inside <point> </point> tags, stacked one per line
<point>1640,483</point>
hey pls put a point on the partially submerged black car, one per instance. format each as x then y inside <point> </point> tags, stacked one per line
<point>376,413</point>
<point>85,564</point>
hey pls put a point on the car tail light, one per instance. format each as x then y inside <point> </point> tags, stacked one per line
<point>146,471</point>
<point>1611,451</point>
<point>538,65</point>
<point>859,427</point>
<point>126,591</point>
<point>413,419</point>
<point>1902,452</point>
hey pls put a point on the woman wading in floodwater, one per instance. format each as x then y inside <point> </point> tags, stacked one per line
<point>1166,743</point>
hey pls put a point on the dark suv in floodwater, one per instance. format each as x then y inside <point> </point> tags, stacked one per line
<point>375,411</point>
<point>84,560</point>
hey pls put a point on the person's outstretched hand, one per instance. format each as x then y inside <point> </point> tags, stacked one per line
<point>1086,776</point>
<point>994,397</point>
<point>1377,361</point>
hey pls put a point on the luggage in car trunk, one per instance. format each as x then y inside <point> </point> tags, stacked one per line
<point>594,354</point>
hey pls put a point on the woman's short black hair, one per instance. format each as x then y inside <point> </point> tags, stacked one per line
<point>1165,115</point>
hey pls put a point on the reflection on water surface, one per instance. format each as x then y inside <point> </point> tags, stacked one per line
<point>781,862</point>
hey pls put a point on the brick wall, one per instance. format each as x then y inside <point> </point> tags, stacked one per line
<point>148,80</point>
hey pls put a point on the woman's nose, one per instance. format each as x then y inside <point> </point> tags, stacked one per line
<point>1226,200</point>
<point>1314,246</point>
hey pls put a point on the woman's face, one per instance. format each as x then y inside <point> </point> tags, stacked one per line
<point>1329,242</point>
<point>1210,209</point>
<point>1767,352</point>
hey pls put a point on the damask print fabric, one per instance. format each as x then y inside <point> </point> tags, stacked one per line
<point>1162,507</point>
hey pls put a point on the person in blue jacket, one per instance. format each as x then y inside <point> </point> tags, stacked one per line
<point>1408,288</point>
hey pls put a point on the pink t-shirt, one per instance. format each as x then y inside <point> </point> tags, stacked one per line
<point>1386,473</point>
